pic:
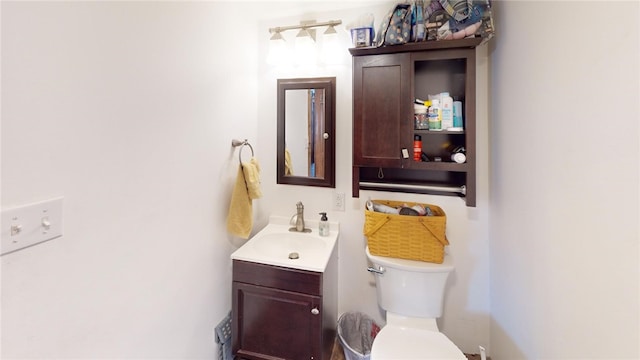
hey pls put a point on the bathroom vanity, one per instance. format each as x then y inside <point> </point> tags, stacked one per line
<point>282,307</point>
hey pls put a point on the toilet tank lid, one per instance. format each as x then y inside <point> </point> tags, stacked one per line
<point>411,265</point>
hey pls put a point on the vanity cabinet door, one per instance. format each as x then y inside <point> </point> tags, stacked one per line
<point>276,324</point>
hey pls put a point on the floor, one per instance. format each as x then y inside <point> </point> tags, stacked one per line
<point>338,353</point>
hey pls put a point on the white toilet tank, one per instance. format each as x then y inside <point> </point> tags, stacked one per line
<point>411,288</point>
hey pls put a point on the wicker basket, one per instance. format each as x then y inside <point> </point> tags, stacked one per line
<point>409,237</point>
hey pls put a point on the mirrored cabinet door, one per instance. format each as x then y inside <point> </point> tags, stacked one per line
<point>306,132</point>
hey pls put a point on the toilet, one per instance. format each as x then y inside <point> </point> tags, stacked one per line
<point>411,293</point>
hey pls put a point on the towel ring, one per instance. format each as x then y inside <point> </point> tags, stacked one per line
<point>236,143</point>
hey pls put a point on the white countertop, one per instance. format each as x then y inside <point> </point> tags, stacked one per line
<point>273,244</point>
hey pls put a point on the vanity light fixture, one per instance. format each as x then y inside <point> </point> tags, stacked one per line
<point>305,47</point>
<point>330,30</point>
<point>305,33</point>
<point>277,36</point>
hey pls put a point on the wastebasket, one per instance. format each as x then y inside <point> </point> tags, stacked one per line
<point>356,332</point>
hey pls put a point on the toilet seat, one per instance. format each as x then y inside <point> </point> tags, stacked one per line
<point>398,343</point>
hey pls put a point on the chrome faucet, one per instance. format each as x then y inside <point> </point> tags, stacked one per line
<point>299,216</point>
<point>299,219</point>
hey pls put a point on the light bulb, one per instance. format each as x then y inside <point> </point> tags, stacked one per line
<point>278,51</point>
<point>331,51</point>
<point>305,48</point>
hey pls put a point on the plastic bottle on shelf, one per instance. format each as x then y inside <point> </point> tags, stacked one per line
<point>458,154</point>
<point>435,116</point>
<point>447,111</point>
<point>457,116</point>
<point>420,117</point>
<point>425,124</point>
<point>417,147</point>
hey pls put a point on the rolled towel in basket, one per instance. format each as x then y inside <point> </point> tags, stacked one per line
<point>371,206</point>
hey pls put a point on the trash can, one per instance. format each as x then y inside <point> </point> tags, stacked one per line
<point>356,332</point>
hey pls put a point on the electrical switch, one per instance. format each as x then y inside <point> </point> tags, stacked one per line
<point>16,229</point>
<point>31,224</point>
<point>46,224</point>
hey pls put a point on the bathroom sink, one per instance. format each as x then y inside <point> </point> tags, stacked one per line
<point>276,245</point>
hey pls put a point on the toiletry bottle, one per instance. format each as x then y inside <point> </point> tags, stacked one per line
<point>323,228</point>
<point>417,147</point>
<point>458,154</point>
<point>420,117</point>
<point>425,124</point>
<point>435,116</point>
<point>447,111</point>
<point>457,115</point>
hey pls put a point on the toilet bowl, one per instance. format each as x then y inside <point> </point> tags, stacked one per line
<point>411,293</point>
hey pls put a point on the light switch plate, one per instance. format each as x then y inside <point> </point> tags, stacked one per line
<point>31,224</point>
<point>338,201</point>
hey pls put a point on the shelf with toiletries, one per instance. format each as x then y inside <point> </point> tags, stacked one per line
<point>389,147</point>
<point>443,132</point>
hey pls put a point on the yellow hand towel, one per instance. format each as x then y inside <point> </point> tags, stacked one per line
<point>240,217</point>
<point>288,164</point>
<point>251,171</point>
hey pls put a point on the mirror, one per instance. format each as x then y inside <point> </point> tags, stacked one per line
<point>306,131</point>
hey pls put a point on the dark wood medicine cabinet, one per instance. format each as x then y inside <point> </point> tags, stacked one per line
<point>306,130</point>
<point>386,81</point>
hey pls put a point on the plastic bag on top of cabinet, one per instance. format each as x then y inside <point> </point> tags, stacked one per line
<point>431,20</point>
<point>459,19</point>
<point>395,28</point>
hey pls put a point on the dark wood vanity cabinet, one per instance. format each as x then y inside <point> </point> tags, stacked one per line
<point>282,313</point>
<point>386,81</point>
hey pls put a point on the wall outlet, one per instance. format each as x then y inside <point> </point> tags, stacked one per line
<point>338,201</point>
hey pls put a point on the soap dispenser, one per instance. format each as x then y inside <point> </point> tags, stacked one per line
<point>323,229</point>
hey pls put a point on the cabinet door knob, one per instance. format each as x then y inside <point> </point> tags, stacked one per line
<point>325,136</point>
<point>315,311</point>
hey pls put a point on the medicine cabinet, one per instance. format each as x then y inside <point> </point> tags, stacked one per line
<point>386,81</point>
<point>306,132</point>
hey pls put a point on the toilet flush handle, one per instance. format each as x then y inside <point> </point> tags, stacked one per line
<point>380,270</point>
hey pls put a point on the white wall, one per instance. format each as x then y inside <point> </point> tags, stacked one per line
<point>564,180</point>
<point>466,319</point>
<point>128,111</point>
